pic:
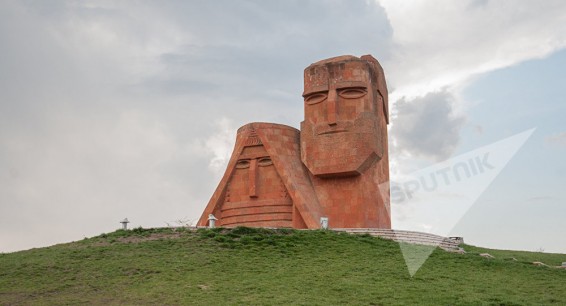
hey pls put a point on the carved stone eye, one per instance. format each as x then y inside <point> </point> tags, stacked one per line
<point>265,161</point>
<point>243,164</point>
<point>352,93</point>
<point>315,98</point>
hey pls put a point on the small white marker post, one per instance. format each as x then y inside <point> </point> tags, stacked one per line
<point>125,223</point>
<point>324,222</point>
<point>211,220</point>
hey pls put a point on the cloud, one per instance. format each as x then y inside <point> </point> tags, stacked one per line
<point>111,110</point>
<point>440,47</point>
<point>558,139</point>
<point>220,145</point>
<point>539,199</point>
<point>426,127</point>
<point>445,43</point>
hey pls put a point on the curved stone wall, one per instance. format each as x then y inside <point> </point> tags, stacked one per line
<point>408,237</point>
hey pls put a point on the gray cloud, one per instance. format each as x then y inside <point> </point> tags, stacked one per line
<point>426,126</point>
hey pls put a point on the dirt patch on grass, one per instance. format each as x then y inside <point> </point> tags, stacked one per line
<point>14,298</point>
<point>150,237</point>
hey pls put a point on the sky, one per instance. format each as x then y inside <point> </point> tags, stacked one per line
<point>130,109</point>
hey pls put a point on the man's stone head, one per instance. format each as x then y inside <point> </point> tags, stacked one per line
<point>346,113</point>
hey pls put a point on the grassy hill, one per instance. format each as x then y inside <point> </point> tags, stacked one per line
<point>246,266</point>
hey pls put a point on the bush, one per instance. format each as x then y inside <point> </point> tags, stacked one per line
<point>221,238</point>
<point>242,230</point>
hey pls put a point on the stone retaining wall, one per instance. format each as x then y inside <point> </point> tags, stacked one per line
<point>447,243</point>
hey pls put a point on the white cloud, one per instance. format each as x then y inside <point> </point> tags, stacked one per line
<point>220,144</point>
<point>444,43</point>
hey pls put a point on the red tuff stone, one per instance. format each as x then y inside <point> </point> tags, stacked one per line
<point>337,166</point>
<point>265,183</point>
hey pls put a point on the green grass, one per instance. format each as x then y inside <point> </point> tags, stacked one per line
<point>246,266</point>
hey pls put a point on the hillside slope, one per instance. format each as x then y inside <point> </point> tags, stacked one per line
<point>246,266</point>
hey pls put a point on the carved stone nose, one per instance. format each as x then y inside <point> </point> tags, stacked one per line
<point>253,179</point>
<point>331,107</point>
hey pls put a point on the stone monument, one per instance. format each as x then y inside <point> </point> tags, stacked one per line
<point>335,167</point>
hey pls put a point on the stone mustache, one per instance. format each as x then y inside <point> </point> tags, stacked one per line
<point>336,166</point>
